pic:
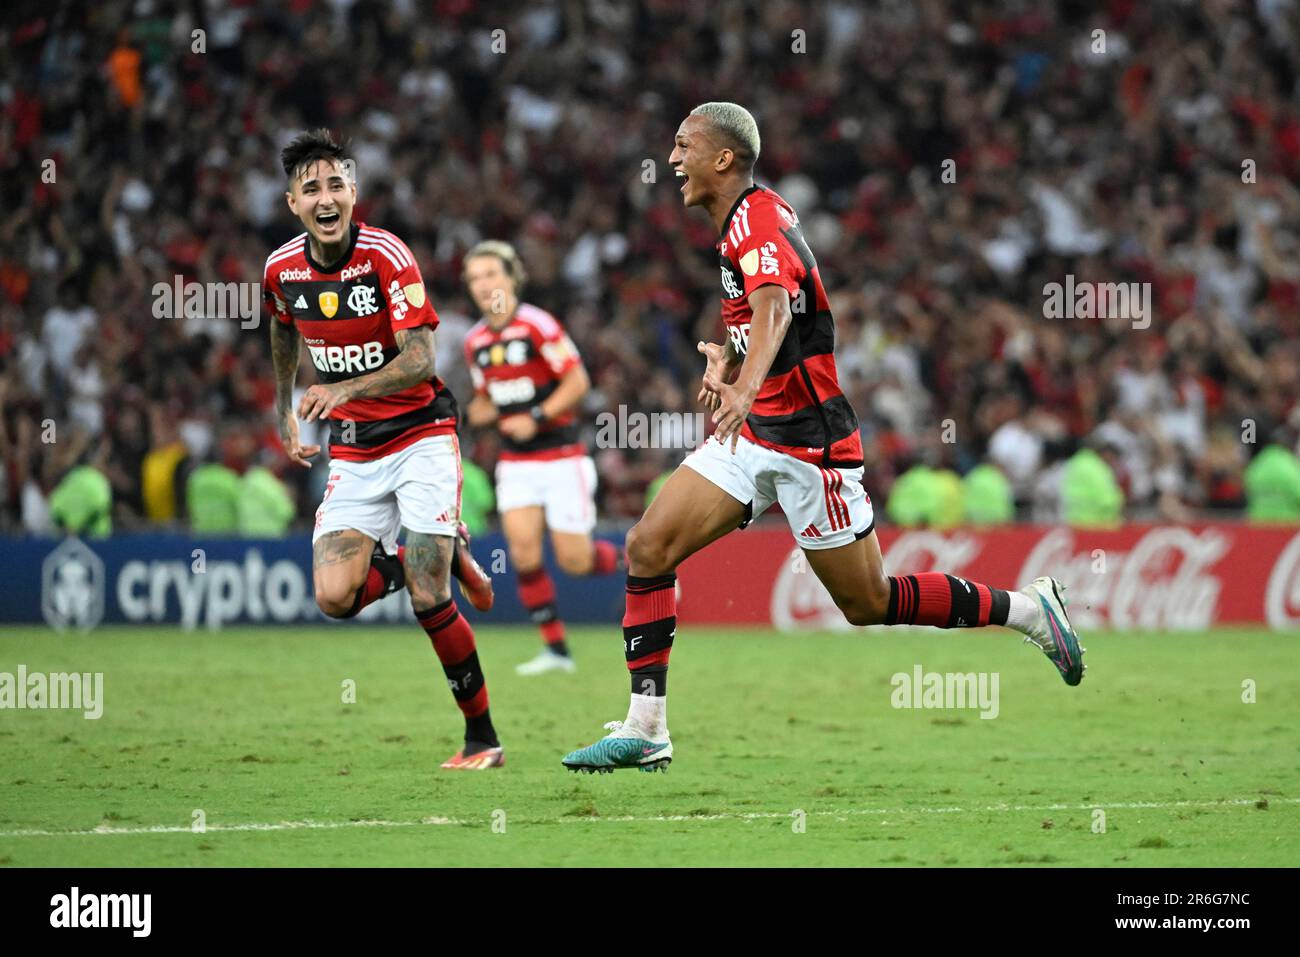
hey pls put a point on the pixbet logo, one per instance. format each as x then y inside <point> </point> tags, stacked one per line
<point>361,269</point>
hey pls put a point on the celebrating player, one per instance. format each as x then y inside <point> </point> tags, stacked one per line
<point>354,294</point>
<point>784,433</point>
<point>528,381</point>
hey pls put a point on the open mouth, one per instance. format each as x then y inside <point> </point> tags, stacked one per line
<point>328,220</point>
<point>684,178</point>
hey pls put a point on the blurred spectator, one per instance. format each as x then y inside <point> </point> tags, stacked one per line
<point>987,496</point>
<point>477,499</point>
<point>1273,484</point>
<point>160,484</point>
<point>1090,495</point>
<point>265,507</point>
<point>212,499</point>
<point>911,498</point>
<point>82,503</point>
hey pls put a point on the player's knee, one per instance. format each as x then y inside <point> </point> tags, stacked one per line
<point>866,607</point>
<point>861,613</point>
<point>336,602</point>
<point>647,553</point>
<point>527,557</point>
<point>869,607</point>
<point>424,596</point>
<point>574,563</point>
<point>428,587</point>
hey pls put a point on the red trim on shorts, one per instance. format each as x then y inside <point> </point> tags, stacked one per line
<point>839,497</point>
<point>460,475</point>
<point>350,453</point>
<point>836,510</point>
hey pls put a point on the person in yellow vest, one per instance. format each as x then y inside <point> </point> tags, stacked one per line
<point>161,462</point>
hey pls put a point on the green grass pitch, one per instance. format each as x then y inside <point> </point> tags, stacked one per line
<point>788,752</point>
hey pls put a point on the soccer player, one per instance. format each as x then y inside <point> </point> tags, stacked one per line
<point>784,433</point>
<point>354,294</point>
<point>528,381</point>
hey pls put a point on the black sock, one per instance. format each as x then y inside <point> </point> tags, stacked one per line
<point>651,680</point>
<point>479,730</point>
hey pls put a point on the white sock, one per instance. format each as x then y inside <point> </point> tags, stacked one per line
<point>1023,614</point>
<point>649,714</point>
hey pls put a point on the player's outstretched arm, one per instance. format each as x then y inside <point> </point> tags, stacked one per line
<point>285,347</point>
<point>767,329</point>
<point>413,365</point>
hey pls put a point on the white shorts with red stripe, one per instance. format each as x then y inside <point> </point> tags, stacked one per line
<point>826,507</point>
<point>417,487</point>
<point>564,488</point>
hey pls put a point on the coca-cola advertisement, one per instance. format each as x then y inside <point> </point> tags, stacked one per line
<point>1140,577</point>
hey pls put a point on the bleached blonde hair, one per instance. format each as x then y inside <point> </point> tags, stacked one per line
<point>737,125</point>
<point>505,252</point>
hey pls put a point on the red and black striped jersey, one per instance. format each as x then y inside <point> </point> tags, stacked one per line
<point>800,409</point>
<point>348,317</point>
<point>517,367</point>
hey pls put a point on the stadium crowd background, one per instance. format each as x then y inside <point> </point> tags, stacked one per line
<point>1117,166</point>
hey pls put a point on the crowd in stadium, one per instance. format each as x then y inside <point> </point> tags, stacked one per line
<point>948,161</point>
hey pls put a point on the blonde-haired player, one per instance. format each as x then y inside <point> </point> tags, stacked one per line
<point>528,383</point>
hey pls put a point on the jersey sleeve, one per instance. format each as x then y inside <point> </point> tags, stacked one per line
<point>475,373</point>
<point>273,297</point>
<point>399,274</point>
<point>765,256</point>
<point>554,344</point>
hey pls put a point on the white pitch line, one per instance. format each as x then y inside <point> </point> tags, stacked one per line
<point>992,808</point>
<point>656,819</point>
<point>251,826</point>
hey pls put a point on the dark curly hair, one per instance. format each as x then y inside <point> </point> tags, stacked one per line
<point>308,147</point>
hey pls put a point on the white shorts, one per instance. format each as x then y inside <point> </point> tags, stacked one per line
<point>826,507</point>
<point>565,488</point>
<point>417,487</point>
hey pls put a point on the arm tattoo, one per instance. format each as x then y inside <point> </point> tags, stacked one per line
<point>285,344</point>
<point>414,365</point>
